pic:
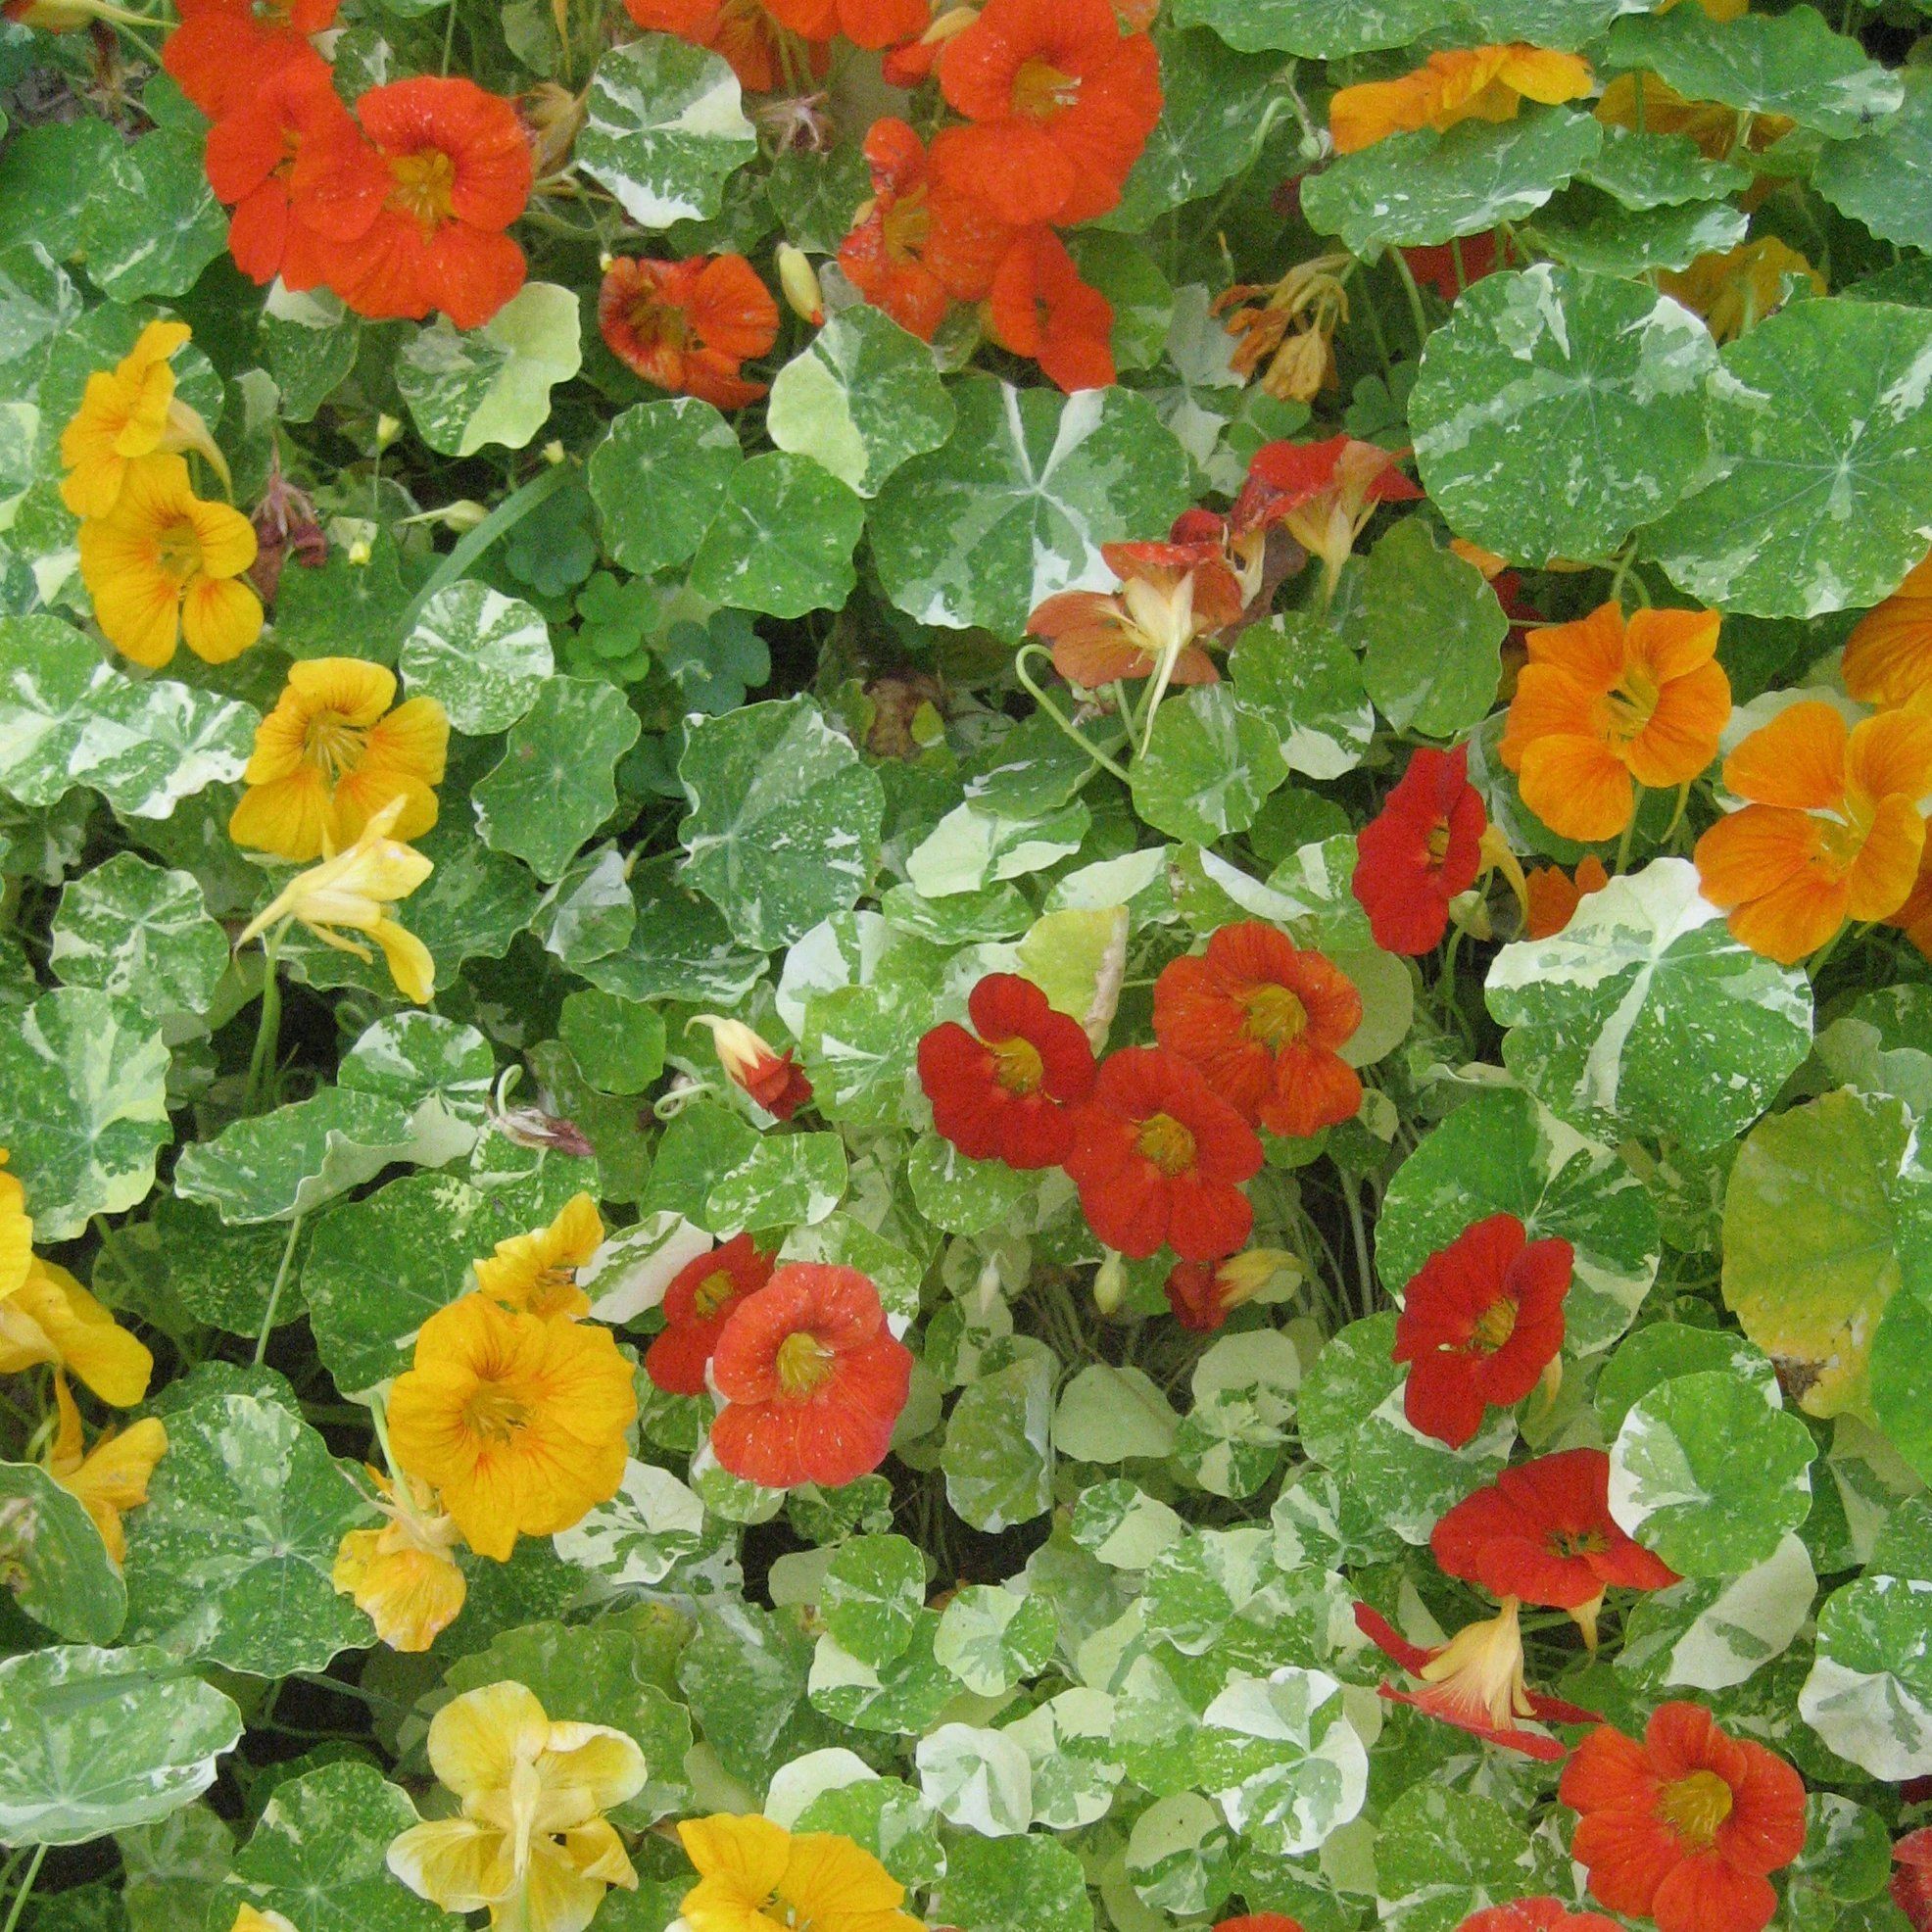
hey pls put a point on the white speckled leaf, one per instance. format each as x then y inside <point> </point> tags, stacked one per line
<point>1180,1856</point>
<point>1884,177</point>
<point>1708,1633</point>
<point>665,127</point>
<point>997,1458</point>
<point>171,1867</point>
<point>640,1535</point>
<point>1005,1884</point>
<point>680,948</point>
<point>1298,673</point>
<point>1281,1760</point>
<point>469,387</point>
<point>970,849</point>
<point>1076,1768</point>
<point>1823,430</point>
<point>991,1637</point>
<point>1869,1694</point>
<point>1017,502</point>
<point>659,480</point>
<point>1644,981</point>
<point>152,226</point>
<point>1442,1855</point>
<point>1558,410</point>
<point>1585,229</point>
<point>1208,765</point>
<point>789,1181</point>
<point>1323,29</point>
<point>1660,170</point>
<point>98,1740</point>
<point>53,1558</point>
<point>981,1780</point>
<point>782,541</point>
<point>483,656</point>
<point>141,934</point>
<point>958,1193</point>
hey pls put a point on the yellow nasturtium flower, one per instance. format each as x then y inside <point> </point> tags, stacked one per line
<point>1735,290</point>
<point>753,1875</point>
<point>357,891</point>
<point>1465,83</point>
<point>51,1318</point>
<point>531,1844</point>
<point>248,1919</point>
<point>404,1576</point>
<point>537,1273</point>
<point>112,1478</point>
<point>16,1231</point>
<point>128,412</point>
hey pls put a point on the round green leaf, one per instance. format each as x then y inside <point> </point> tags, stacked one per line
<point>782,541</point>
<point>171,1866</point>
<point>1003,1884</point>
<point>618,1043</point>
<point>1432,633</point>
<point>1709,1475</point>
<point>1869,1694</point>
<point>53,1558</point>
<point>658,481</point>
<point>1109,1415</point>
<point>1281,1760</point>
<point>872,1596</point>
<point>150,224</point>
<point>1299,674</point>
<point>1076,1768</point>
<point>468,387</point>
<point>1558,410</point>
<point>483,656</point>
<point>1884,177</point>
<point>1660,170</point>
<point>981,1780</point>
<point>990,1638</point>
<point>1208,765</point>
<point>1662,1351</point>
<point>141,934</point>
<point>1584,228</point>
<point>958,1193</point>
<point>997,1458</point>
<point>1180,1856</point>
<point>1442,1854</point>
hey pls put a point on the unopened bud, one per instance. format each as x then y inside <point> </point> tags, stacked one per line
<point>462,517</point>
<point>950,25</point>
<point>387,429</point>
<point>554,452</point>
<point>604,261</point>
<point>1110,1283</point>
<point>799,280</point>
<point>360,552</point>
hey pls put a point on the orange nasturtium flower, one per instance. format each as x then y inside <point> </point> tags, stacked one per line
<point>688,326</point>
<point>164,566</point>
<point>1323,494</point>
<point>536,1274</point>
<point>1552,896</point>
<point>747,34</point>
<point>110,1478</point>
<point>1608,703</point>
<point>224,49</point>
<point>1887,657</point>
<point>404,1576</point>
<point>1468,83</point>
<point>1710,125</point>
<point>127,413</point>
<point>332,755</point>
<point>1038,306</point>
<point>1735,290</point>
<point>864,22</point>
<point>1831,827</point>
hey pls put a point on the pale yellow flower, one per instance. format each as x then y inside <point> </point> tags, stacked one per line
<point>127,413</point>
<point>536,1274</point>
<point>404,1576</point>
<point>51,1318</point>
<point>755,1876</point>
<point>16,1231</point>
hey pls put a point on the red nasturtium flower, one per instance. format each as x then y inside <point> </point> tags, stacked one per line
<point>917,248</point>
<point>1204,1294</point>
<point>1264,1020</point>
<point>1543,1914</point>
<point>772,1078</point>
<point>1542,1532</point>
<point>703,1295</point>
<point>419,222</point>
<point>1434,267</point>
<point>864,22</point>
<point>1481,1321</point>
<point>1260,1921</point>
<point>1322,493</point>
<point>1006,1090</point>
<point>1158,1156</point>
<point>1171,596</point>
<point>814,1381</point>
<point>1685,1827</point>
<point>745,32</point>
<point>1911,1877</point>
<point>224,50</point>
<point>1039,307</point>
<point>688,326</point>
<point>1475,1681</point>
<point>1420,851</point>
<point>1060,101</point>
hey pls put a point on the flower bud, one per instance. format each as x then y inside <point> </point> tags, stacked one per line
<point>1110,1283</point>
<point>799,281</point>
<point>387,429</point>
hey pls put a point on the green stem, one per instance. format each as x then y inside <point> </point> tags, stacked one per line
<point>449,37</point>
<point>276,1293</point>
<point>507,515</point>
<point>1629,831</point>
<point>269,1029</point>
<point>1059,717</point>
<point>1415,294</point>
<point>26,1889</point>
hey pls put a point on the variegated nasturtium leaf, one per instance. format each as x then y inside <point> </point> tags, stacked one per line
<point>172,1866</point>
<point>990,1638</point>
<point>83,1106</point>
<point>1643,981</point>
<point>1181,1856</point>
<point>666,127</point>
<point>153,224</point>
<point>1708,1475</point>
<point>1708,1633</point>
<point>785,820</point>
<point>1016,503</point>
<point>555,786</point>
<point>1584,228</point>
<point>1208,764</point>
<point>861,399</point>
<point>308,342</point>
<point>859,1043</point>
<point>981,1780</point>
<point>68,717</point>
<point>786,1181</point>
<point>970,850</point>
<point>1660,170</point>
<point>1558,410</point>
<point>1076,1769</point>
<point>52,1560</point>
<point>1442,1855</point>
<point>782,541</point>
<point>99,1740</point>
<point>1432,632</point>
<point>1281,1760</point>
<point>466,388</point>
<point>1315,28</point>
<point>999,1884</point>
<point>142,934</point>
<point>1821,1214</point>
<point>680,948</point>
<point>1299,674</point>
<point>224,1275</point>
<point>872,1595</point>
<point>999,1458</point>
<point>1660,1351</point>
<point>1789,63</point>
<point>958,1193</point>
<point>659,480</point>
<point>1821,438</point>
<point>319,1856</point>
<point>1501,1154</point>
<point>1420,189</point>
<point>1870,1693</point>
<point>1884,177</point>
<point>483,656</point>
<point>889,1819</point>
<point>903,1697</point>
<point>228,1561</point>
<point>641,1534</point>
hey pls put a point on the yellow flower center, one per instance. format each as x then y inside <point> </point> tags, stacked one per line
<point>1694,1808</point>
<point>1436,845</point>
<point>493,1412</point>
<point>1276,1017</point>
<point>332,745</point>
<point>1017,1065</point>
<point>658,325</point>
<point>1163,1140</point>
<point>805,1363</point>
<point>1844,838</point>
<point>711,1294</point>
<point>551,1289</point>
<point>1629,705</point>
<point>1577,1543</point>
<point>1494,1325</point>
<point>177,549</point>
<point>1040,91</point>
<point>908,224</point>
<point>424,181</point>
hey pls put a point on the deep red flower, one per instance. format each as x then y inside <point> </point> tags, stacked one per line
<point>704,1294</point>
<point>1475,1681</point>
<point>422,228</point>
<point>1536,1915</point>
<point>1480,1321</point>
<point>1911,1874</point>
<point>772,1078</point>
<point>1322,493</point>
<point>1423,849</point>
<point>1039,307</point>
<point>1685,1827</point>
<point>812,1380</point>
<point>224,50</point>
<point>917,248</point>
<point>1160,1157</point>
<point>251,153</point>
<point>688,326</point>
<point>1543,1531</point>
<point>1004,1091</point>
<point>1204,1294</point>
<point>1172,596</point>
<point>1262,1019</point>
<point>1062,104</point>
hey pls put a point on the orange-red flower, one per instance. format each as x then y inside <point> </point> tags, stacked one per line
<point>1060,101</point>
<point>1464,83</point>
<point>1260,1921</point>
<point>419,222</point>
<point>1420,851</point>
<point>812,1380</point>
<point>865,22</point>
<point>1262,1021</point>
<point>688,326</point>
<point>1475,1681</point>
<point>702,1296</point>
<point>1039,307</point>
<point>1554,894</point>
<point>1912,1876</point>
<point>1434,267</point>
<point>1608,703</point>
<point>1543,1531</point>
<point>1322,493</point>
<point>1006,1090</point>
<point>1481,1321</point>
<point>1204,1294</point>
<point>770,1078</point>
<point>1158,1156</point>
<point>1170,596</point>
<point>1887,657</point>
<point>916,247</point>
<point>224,50</point>
<point>1543,1914</point>
<point>1685,1827</point>
<point>251,156</point>
<point>747,33</point>
<point>1831,829</point>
